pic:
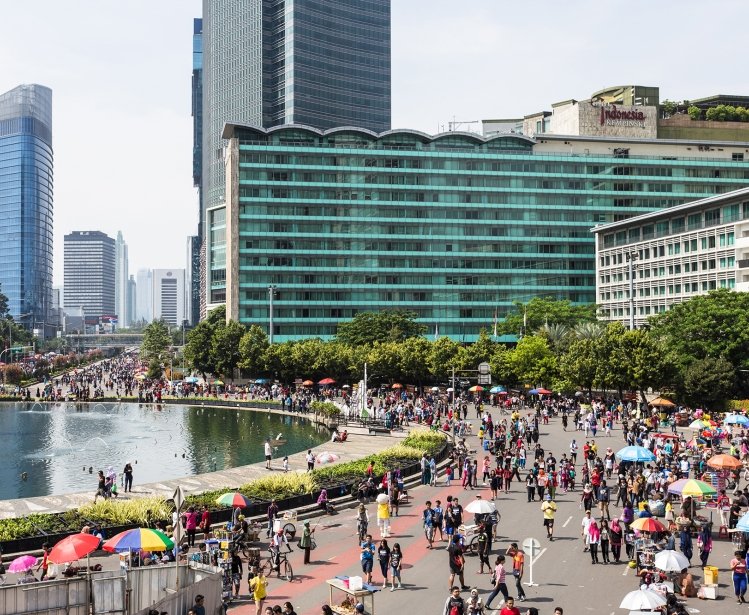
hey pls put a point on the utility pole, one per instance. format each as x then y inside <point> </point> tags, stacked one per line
<point>363,394</point>
<point>631,258</point>
<point>271,292</point>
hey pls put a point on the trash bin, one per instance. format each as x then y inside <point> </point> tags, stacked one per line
<point>711,575</point>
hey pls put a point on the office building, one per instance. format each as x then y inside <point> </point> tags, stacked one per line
<point>26,196</point>
<point>455,227</point>
<point>131,300</point>
<point>672,255</point>
<point>144,296</point>
<point>196,254</point>
<point>121,281</point>
<point>169,296</point>
<point>192,273</point>
<point>89,272</point>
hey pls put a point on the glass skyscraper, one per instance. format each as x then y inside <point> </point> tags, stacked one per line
<point>455,227</point>
<point>26,195</point>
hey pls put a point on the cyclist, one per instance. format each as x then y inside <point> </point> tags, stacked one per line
<point>279,539</point>
<point>362,522</point>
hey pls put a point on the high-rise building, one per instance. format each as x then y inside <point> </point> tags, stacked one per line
<point>121,281</point>
<point>269,62</point>
<point>169,296</point>
<point>455,227</point>
<point>132,290</point>
<point>26,182</point>
<point>193,279</point>
<point>144,296</point>
<point>89,270</point>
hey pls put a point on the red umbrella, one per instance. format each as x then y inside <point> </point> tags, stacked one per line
<point>543,391</point>
<point>326,381</point>
<point>73,548</point>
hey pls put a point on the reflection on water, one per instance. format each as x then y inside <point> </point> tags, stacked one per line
<point>59,448</point>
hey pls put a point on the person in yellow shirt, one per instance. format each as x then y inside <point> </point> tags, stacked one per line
<point>549,508</point>
<point>258,585</point>
<point>383,516</point>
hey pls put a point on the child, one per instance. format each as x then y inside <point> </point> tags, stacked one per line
<point>286,464</point>
<point>448,474</point>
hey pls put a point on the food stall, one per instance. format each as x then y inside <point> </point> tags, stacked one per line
<point>346,586</point>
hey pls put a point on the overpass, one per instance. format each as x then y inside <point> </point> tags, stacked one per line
<point>103,340</point>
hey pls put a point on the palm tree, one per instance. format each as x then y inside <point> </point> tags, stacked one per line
<point>557,335</point>
<point>588,330</point>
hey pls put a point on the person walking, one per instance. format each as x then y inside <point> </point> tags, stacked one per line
<point>272,513</point>
<point>518,568</point>
<point>268,454</point>
<point>456,562</point>
<point>604,495</point>
<point>500,582</point>
<point>594,538</point>
<point>482,539</point>
<point>605,540</point>
<point>396,565</point>
<point>258,588</point>
<point>509,608</point>
<point>191,525</point>
<point>615,537</point>
<point>705,543</point>
<point>738,567</point>
<point>428,520</point>
<point>305,542</point>
<point>367,557</point>
<point>549,509</point>
<point>530,485</point>
<point>383,517</point>
<point>310,461</point>
<point>685,544</point>
<point>128,472</point>
<point>383,557</point>
<point>454,605</point>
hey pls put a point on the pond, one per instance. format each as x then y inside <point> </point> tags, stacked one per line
<point>48,449</point>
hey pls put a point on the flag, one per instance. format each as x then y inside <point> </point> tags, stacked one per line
<point>436,330</point>
<point>495,323</point>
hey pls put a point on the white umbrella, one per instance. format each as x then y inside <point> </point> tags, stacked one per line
<point>480,507</point>
<point>642,599</point>
<point>382,498</point>
<point>450,389</point>
<point>435,389</point>
<point>671,561</point>
<point>327,457</point>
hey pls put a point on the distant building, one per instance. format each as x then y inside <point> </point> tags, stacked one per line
<point>169,296</point>
<point>674,254</point>
<point>144,295</point>
<point>89,272</point>
<point>193,279</point>
<point>26,209</point>
<point>121,280</point>
<point>131,299</point>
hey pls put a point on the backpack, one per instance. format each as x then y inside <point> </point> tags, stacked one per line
<point>457,606</point>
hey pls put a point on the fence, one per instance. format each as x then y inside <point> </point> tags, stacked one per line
<point>115,592</point>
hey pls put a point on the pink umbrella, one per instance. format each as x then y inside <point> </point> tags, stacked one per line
<point>22,564</point>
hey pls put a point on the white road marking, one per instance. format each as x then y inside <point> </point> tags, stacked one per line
<point>331,558</point>
<point>566,522</point>
<point>626,570</point>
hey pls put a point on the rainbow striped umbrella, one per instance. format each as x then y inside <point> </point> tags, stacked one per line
<point>138,539</point>
<point>235,500</point>
<point>686,487</point>
<point>647,524</point>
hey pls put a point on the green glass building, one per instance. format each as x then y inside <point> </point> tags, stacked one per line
<point>455,227</point>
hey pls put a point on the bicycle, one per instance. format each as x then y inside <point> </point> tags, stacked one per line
<point>282,567</point>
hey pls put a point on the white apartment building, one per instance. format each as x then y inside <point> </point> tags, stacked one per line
<point>169,296</point>
<point>673,254</point>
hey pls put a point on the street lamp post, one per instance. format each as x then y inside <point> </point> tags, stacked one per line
<point>271,292</point>
<point>631,258</point>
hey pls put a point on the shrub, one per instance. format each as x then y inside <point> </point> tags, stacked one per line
<point>325,407</point>
<point>425,440</point>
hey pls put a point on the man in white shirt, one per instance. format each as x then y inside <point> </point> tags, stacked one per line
<point>684,467</point>
<point>268,454</point>
<point>585,525</point>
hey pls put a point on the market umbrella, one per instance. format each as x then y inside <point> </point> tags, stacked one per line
<point>480,507</point>
<point>450,389</point>
<point>671,561</point>
<point>698,424</point>
<point>724,462</point>
<point>327,457</point>
<point>476,388</point>
<point>73,548</point>
<point>264,381</point>
<point>22,564</point>
<point>635,453</point>
<point>218,383</point>
<point>235,500</point>
<point>686,487</point>
<point>662,401</point>
<point>743,523</point>
<point>533,392</point>
<point>397,385</point>
<point>307,383</point>
<point>192,380</point>
<point>647,524</point>
<point>326,381</point>
<point>497,389</point>
<point>641,599</point>
<point>137,539</point>
<point>736,419</point>
<point>543,391</point>
<point>435,389</point>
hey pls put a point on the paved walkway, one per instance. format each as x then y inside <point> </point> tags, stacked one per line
<point>359,444</point>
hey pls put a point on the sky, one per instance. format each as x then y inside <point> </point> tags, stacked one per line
<point>120,74</point>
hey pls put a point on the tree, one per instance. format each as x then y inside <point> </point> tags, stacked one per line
<point>412,359</point>
<point>580,363</point>
<point>366,328</point>
<point>714,325</point>
<point>156,341</point>
<point>252,349</point>
<point>444,354</point>
<point>612,360</point>
<point>708,382</point>
<point>694,113</point>
<point>557,335</point>
<point>532,361</point>
<point>225,348</point>
<point>382,361</point>
<point>538,311</point>
<point>198,349</point>
<point>480,351</point>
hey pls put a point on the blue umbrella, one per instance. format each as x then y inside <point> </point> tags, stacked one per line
<point>262,381</point>
<point>635,453</point>
<point>498,389</point>
<point>533,392</point>
<point>736,419</point>
<point>192,380</point>
<point>743,523</point>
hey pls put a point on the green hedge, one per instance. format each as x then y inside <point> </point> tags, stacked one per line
<point>325,407</point>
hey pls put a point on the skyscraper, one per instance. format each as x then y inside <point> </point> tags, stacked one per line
<point>269,62</point>
<point>169,296</point>
<point>89,269</point>
<point>121,280</point>
<point>26,182</point>
<point>143,296</point>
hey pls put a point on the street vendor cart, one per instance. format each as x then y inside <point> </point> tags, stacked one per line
<point>343,598</point>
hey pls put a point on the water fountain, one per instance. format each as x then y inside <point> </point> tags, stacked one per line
<point>91,440</point>
<point>99,404</point>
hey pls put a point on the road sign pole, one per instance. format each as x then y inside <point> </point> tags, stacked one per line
<point>179,498</point>
<point>532,547</point>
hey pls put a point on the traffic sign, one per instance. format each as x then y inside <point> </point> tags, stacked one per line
<point>532,546</point>
<point>485,379</point>
<point>484,368</point>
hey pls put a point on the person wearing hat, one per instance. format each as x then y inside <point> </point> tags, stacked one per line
<point>359,608</point>
<point>549,509</point>
<point>474,606</point>
<point>305,542</point>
